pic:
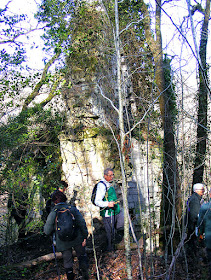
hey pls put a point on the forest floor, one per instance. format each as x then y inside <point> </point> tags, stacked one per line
<point>111,265</point>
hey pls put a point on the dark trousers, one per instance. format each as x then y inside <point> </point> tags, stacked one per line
<point>112,223</point>
<point>209,261</point>
<point>81,255</point>
<point>192,244</point>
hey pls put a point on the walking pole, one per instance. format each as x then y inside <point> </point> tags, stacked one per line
<point>57,268</point>
<point>113,229</point>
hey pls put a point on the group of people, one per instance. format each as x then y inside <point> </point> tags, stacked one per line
<point>110,211</point>
<point>198,222</point>
<point>198,219</point>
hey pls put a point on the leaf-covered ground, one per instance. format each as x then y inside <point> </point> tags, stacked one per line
<point>110,265</point>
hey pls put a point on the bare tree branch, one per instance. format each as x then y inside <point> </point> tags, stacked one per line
<point>112,104</point>
<point>12,40</point>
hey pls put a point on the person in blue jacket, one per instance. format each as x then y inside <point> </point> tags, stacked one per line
<point>204,228</point>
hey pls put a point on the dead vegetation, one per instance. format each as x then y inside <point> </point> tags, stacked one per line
<point>34,259</point>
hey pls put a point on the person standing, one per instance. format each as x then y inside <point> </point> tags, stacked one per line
<point>204,227</point>
<point>113,217</point>
<point>193,207</point>
<point>78,243</point>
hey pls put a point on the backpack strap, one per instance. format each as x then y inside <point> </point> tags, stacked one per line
<point>103,184</point>
<point>188,207</point>
<point>106,188</point>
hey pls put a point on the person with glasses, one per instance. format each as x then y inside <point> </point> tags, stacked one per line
<point>113,218</point>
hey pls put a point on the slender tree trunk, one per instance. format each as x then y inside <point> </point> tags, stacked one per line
<point>122,136</point>
<point>158,56</point>
<point>202,102</point>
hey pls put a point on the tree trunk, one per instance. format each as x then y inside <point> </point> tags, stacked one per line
<point>122,136</point>
<point>199,162</point>
<point>171,201</point>
<point>171,206</point>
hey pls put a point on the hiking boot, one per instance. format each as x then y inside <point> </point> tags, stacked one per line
<point>84,274</point>
<point>110,249</point>
<point>70,274</point>
<point>83,265</point>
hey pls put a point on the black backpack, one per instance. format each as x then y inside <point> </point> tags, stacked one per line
<point>94,192</point>
<point>65,224</point>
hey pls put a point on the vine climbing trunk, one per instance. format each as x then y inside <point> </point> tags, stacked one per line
<point>171,202</point>
<point>171,206</point>
<point>200,155</point>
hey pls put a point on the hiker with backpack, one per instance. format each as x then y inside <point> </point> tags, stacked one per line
<point>70,231</point>
<point>113,217</point>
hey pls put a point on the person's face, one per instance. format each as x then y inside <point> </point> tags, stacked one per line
<point>109,177</point>
<point>62,189</point>
<point>200,191</point>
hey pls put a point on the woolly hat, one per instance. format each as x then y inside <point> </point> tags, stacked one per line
<point>198,186</point>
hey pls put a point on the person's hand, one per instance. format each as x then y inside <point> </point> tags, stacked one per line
<point>201,237</point>
<point>111,204</point>
<point>84,243</point>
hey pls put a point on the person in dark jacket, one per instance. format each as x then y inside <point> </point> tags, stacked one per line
<point>193,207</point>
<point>79,243</point>
<point>204,227</point>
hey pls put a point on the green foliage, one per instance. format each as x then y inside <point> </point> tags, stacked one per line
<point>12,83</point>
<point>35,226</point>
<point>57,15</point>
<point>87,39</point>
<point>10,31</point>
<point>29,147</point>
<point>24,271</point>
<point>30,162</point>
<point>7,59</point>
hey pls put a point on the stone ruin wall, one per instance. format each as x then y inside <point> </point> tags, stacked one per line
<point>84,161</point>
<point>83,166</point>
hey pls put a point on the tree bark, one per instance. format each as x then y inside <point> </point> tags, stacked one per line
<point>171,205</point>
<point>199,162</point>
<point>45,258</point>
<point>122,137</point>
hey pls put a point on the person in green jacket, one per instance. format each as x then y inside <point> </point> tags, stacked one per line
<point>113,217</point>
<point>79,243</point>
<point>204,227</point>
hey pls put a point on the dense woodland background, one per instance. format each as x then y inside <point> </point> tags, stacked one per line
<point>125,72</point>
